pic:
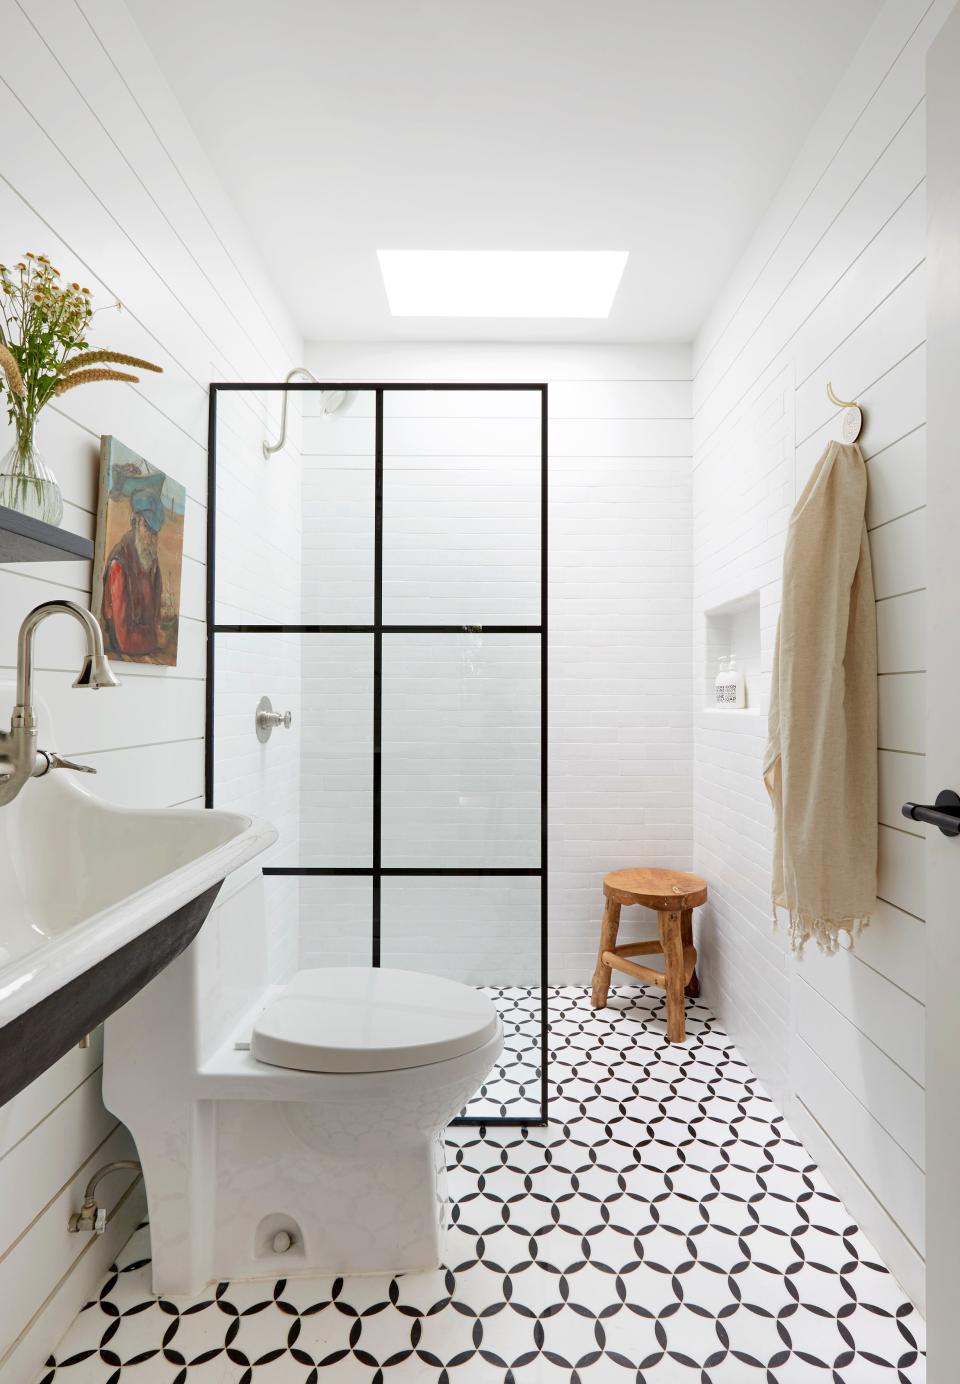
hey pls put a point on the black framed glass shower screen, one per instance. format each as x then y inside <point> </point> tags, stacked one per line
<point>418,673</point>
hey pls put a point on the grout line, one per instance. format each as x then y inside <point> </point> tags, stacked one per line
<point>901,909</point>
<point>142,745</point>
<point>243,278</point>
<point>43,1118</point>
<point>894,442</point>
<point>884,1208</point>
<point>824,297</point>
<point>895,596</point>
<point>866,389</point>
<point>91,1241</point>
<point>107,132</point>
<point>884,522</point>
<point>890,1058</point>
<point>902,831</point>
<point>897,986</point>
<point>59,1192</point>
<point>863,320</point>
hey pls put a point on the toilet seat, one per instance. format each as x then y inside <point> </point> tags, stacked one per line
<point>355,1019</point>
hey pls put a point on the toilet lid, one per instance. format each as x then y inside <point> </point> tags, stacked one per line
<point>361,1019</point>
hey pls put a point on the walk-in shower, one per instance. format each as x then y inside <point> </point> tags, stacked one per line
<point>392,596</point>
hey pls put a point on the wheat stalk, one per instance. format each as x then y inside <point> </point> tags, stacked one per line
<point>91,377</point>
<point>10,368</point>
<point>87,358</point>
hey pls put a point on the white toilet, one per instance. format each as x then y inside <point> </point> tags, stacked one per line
<point>300,1132</point>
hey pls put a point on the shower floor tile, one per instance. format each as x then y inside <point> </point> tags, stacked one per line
<point>665,1228</point>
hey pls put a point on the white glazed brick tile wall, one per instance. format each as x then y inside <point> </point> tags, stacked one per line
<point>620,661</point>
<point>109,181</point>
<point>830,289</point>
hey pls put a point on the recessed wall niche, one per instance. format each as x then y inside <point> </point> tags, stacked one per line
<point>734,628</point>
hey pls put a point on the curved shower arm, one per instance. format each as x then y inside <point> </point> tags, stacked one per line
<point>268,449</point>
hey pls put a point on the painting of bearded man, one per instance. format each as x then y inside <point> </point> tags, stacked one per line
<point>138,557</point>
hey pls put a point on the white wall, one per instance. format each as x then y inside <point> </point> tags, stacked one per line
<point>943,863</point>
<point>620,569</point>
<point>102,173</point>
<point>831,288</point>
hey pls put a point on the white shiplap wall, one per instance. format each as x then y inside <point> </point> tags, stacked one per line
<point>620,587</point>
<point>830,289</point>
<point>101,172</point>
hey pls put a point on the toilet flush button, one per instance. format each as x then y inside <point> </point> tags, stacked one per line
<point>282,1242</point>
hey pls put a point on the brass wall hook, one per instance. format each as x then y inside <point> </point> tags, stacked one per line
<point>851,420</point>
<point>840,403</point>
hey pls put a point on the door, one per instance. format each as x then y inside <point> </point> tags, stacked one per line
<point>943,680</point>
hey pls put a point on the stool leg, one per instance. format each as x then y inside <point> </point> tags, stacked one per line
<point>608,940</point>
<point>686,932</point>
<point>671,940</point>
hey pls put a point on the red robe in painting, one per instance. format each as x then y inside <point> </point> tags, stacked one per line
<point>131,601</point>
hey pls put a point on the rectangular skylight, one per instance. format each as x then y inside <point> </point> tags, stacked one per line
<point>501,283</point>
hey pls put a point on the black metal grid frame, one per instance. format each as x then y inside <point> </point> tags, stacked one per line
<point>376,871</point>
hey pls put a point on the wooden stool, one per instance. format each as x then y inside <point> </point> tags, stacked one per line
<point>673,895</point>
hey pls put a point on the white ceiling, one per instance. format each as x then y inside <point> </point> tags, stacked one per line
<point>659,126</point>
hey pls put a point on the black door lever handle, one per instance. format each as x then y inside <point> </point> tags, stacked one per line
<point>944,814</point>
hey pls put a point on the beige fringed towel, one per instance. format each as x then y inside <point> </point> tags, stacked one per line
<point>820,765</point>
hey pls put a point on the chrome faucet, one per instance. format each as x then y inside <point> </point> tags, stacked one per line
<point>20,758</point>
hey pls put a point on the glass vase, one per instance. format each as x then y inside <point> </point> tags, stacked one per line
<point>26,482</point>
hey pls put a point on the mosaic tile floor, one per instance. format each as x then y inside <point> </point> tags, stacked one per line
<point>666,1228</point>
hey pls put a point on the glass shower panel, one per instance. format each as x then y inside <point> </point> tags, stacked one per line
<point>260,780</point>
<point>336,779</point>
<point>336,920</point>
<point>313,780</point>
<point>461,507</point>
<point>339,495</point>
<point>461,751</point>
<point>257,506</point>
<point>483,932</point>
<point>380,578</point>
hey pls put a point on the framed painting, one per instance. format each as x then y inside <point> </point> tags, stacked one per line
<point>138,557</point>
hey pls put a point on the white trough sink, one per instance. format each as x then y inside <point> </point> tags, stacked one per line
<point>95,900</point>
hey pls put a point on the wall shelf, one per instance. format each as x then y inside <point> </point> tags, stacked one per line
<point>734,628</point>
<point>746,717</point>
<point>23,539</point>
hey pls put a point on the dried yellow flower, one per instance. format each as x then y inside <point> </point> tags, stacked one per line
<point>92,377</point>
<point>87,358</point>
<point>10,368</point>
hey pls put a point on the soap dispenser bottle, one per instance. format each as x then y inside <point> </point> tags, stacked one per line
<point>720,681</point>
<point>735,691</point>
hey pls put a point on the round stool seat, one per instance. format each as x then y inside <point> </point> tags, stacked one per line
<point>672,895</point>
<point>662,890</point>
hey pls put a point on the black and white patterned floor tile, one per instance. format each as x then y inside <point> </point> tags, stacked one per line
<point>666,1228</point>
<point>513,1087</point>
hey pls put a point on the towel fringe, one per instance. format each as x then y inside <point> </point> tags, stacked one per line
<point>825,931</point>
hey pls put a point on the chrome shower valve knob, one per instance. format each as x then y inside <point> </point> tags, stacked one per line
<point>267,720</point>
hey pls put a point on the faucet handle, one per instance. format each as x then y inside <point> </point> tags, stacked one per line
<point>49,759</point>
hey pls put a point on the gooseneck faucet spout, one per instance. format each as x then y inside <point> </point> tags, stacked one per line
<point>19,756</point>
